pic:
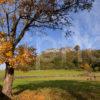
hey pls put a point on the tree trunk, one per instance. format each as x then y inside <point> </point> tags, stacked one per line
<point>8,80</point>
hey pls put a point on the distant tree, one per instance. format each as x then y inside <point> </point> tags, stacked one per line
<point>96,65</point>
<point>87,56</point>
<point>19,16</point>
<point>70,56</point>
<point>58,62</point>
<point>77,48</point>
<point>77,58</point>
<point>96,60</point>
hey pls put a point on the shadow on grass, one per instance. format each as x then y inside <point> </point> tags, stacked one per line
<point>79,90</point>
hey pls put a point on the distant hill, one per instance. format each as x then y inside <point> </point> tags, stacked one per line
<point>54,50</point>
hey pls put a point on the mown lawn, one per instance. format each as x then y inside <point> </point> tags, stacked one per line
<point>69,82</point>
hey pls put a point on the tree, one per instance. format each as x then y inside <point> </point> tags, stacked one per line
<point>17,17</point>
<point>91,57</point>
<point>70,56</point>
<point>87,57</point>
<point>77,59</point>
<point>77,48</point>
<point>21,58</point>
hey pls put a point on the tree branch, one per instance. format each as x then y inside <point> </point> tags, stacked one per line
<point>26,28</point>
<point>7,18</point>
<point>14,28</point>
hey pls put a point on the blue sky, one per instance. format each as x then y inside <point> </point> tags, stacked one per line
<point>86,28</point>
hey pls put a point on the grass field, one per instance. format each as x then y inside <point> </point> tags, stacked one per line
<point>54,83</point>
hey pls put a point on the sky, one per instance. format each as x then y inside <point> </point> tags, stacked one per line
<point>86,28</point>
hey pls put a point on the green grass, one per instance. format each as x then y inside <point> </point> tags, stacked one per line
<point>66,75</point>
<point>1,74</point>
<point>73,82</point>
<point>48,72</point>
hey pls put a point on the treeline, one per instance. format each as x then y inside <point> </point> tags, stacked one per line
<point>73,59</point>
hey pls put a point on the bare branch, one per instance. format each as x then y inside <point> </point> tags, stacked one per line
<point>14,28</point>
<point>7,18</point>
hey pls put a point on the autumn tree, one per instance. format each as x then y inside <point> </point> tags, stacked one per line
<point>22,58</point>
<point>18,17</point>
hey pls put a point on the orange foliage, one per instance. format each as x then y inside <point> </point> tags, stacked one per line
<point>86,66</point>
<point>3,1</point>
<point>5,52</point>
<point>2,34</point>
<point>23,59</point>
<point>5,48</point>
